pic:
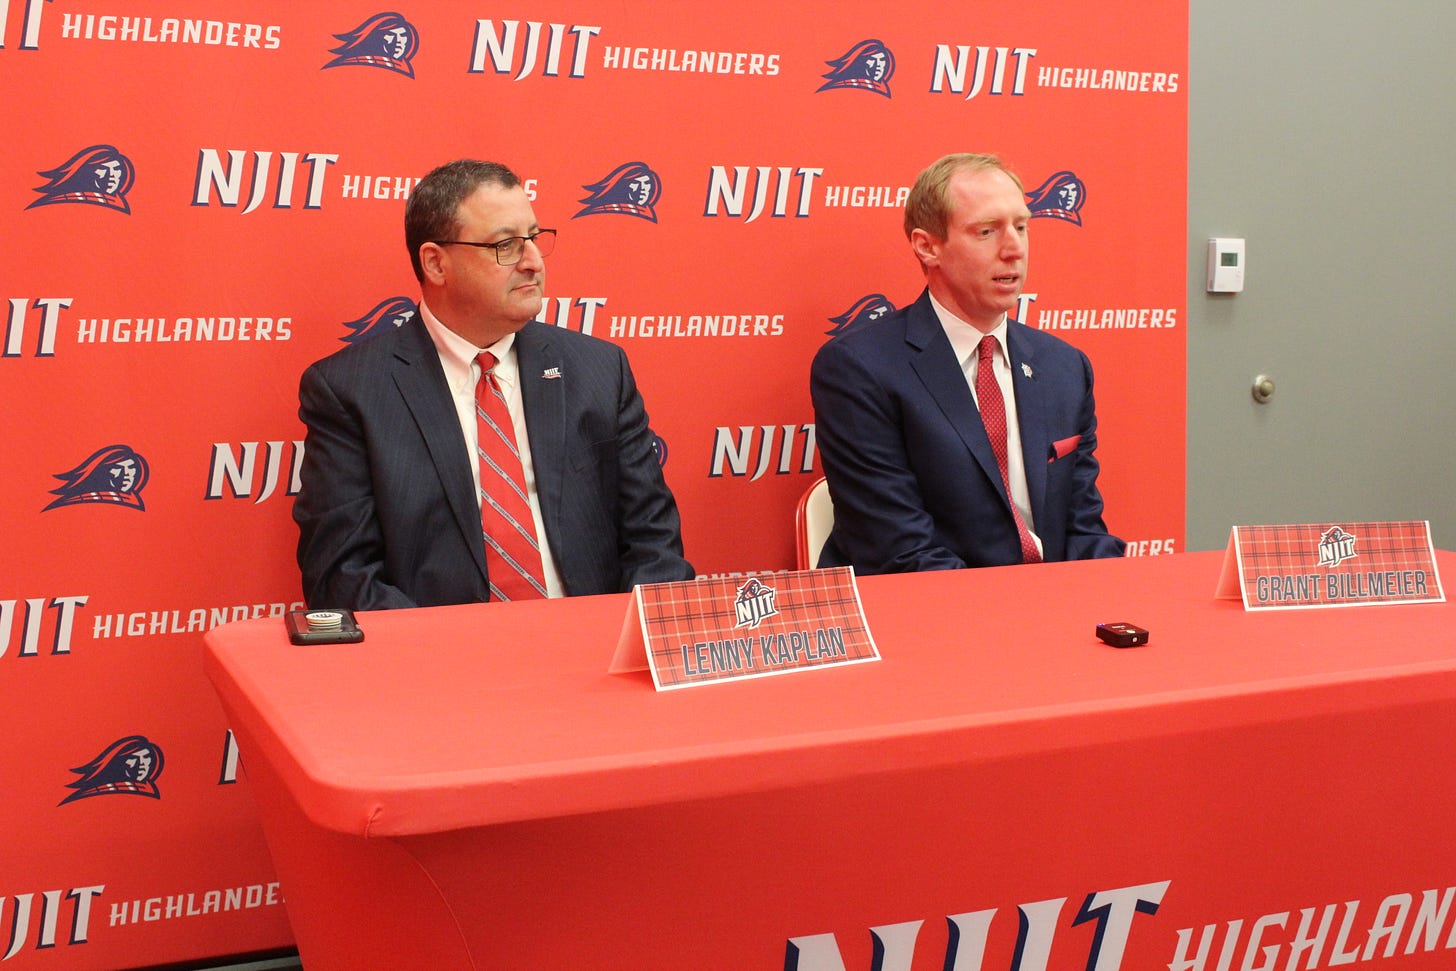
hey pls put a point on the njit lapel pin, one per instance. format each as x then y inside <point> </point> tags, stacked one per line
<point>551,372</point>
<point>1026,370</point>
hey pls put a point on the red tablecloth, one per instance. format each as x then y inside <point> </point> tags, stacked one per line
<point>470,788</point>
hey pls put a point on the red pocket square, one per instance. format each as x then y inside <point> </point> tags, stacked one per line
<point>1063,447</point>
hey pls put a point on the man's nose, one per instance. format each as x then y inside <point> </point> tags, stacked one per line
<point>531,258</point>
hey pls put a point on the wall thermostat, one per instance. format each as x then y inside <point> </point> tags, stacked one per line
<point>1225,265</point>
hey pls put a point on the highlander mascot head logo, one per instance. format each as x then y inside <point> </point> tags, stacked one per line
<point>95,176</point>
<point>1336,546</point>
<point>632,190</point>
<point>867,308</point>
<point>385,40</point>
<point>394,312</point>
<point>1060,197</point>
<point>754,603</point>
<point>659,450</point>
<point>115,474</point>
<point>867,66</point>
<point>128,766</point>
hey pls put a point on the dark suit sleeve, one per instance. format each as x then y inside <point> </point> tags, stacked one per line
<point>340,546</point>
<point>650,546</point>
<point>1087,535</point>
<point>881,523</point>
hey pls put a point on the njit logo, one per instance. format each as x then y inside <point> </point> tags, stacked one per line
<point>867,66</point>
<point>870,307</point>
<point>50,314</point>
<point>754,603</point>
<point>238,470</point>
<point>1335,547</point>
<point>501,48</point>
<point>393,312</point>
<point>1059,197</point>
<point>115,475</point>
<point>786,449</point>
<point>729,189</point>
<point>659,450</point>
<point>227,179</point>
<point>31,635</point>
<point>30,27</point>
<point>128,766</point>
<point>571,313</point>
<point>1114,912</point>
<point>953,64</point>
<point>385,40</point>
<point>629,190</point>
<point>98,175</point>
<point>51,916</point>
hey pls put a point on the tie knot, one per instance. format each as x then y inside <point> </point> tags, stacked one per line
<point>487,361</point>
<point>986,349</point>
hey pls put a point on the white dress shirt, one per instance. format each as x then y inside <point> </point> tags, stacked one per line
<point>964,340</point>
<point>462,372</point>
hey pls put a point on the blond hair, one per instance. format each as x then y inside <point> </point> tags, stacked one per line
<point>928,206</point>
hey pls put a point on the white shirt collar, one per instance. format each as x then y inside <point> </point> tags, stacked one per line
<point>964,338</point>
<point>458,355</point>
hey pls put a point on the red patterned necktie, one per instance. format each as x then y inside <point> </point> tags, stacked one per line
<point>993,416</point>
<point>512,556</point>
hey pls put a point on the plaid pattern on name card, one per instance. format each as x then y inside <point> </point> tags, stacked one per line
<point>732,628</point>
<point>1336,564</point>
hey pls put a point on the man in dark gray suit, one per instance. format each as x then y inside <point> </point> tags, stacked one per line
<point>389,510</point>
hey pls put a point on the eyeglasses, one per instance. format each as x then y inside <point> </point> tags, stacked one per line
<point>509,251</point>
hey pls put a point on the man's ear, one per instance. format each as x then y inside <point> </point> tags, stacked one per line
<point>432,263</point>
<point>925,246</point>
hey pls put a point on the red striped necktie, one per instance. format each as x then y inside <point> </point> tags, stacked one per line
<point>512,556</point>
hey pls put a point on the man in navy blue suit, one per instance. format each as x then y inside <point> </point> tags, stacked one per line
<point>389,510</point>
<point>913,473</point>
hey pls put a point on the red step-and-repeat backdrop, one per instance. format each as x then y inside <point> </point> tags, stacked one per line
<point>200,198</point>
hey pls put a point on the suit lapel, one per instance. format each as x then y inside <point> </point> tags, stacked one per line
<point>934,361</point>
<point>543,396</point>
<point>421,383</point>
<point>1031,416</point>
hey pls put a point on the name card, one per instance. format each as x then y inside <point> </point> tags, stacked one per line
<point>1331,565</point>
<point>696,632</point>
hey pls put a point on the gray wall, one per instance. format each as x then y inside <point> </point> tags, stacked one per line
<point>1322,132</point>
